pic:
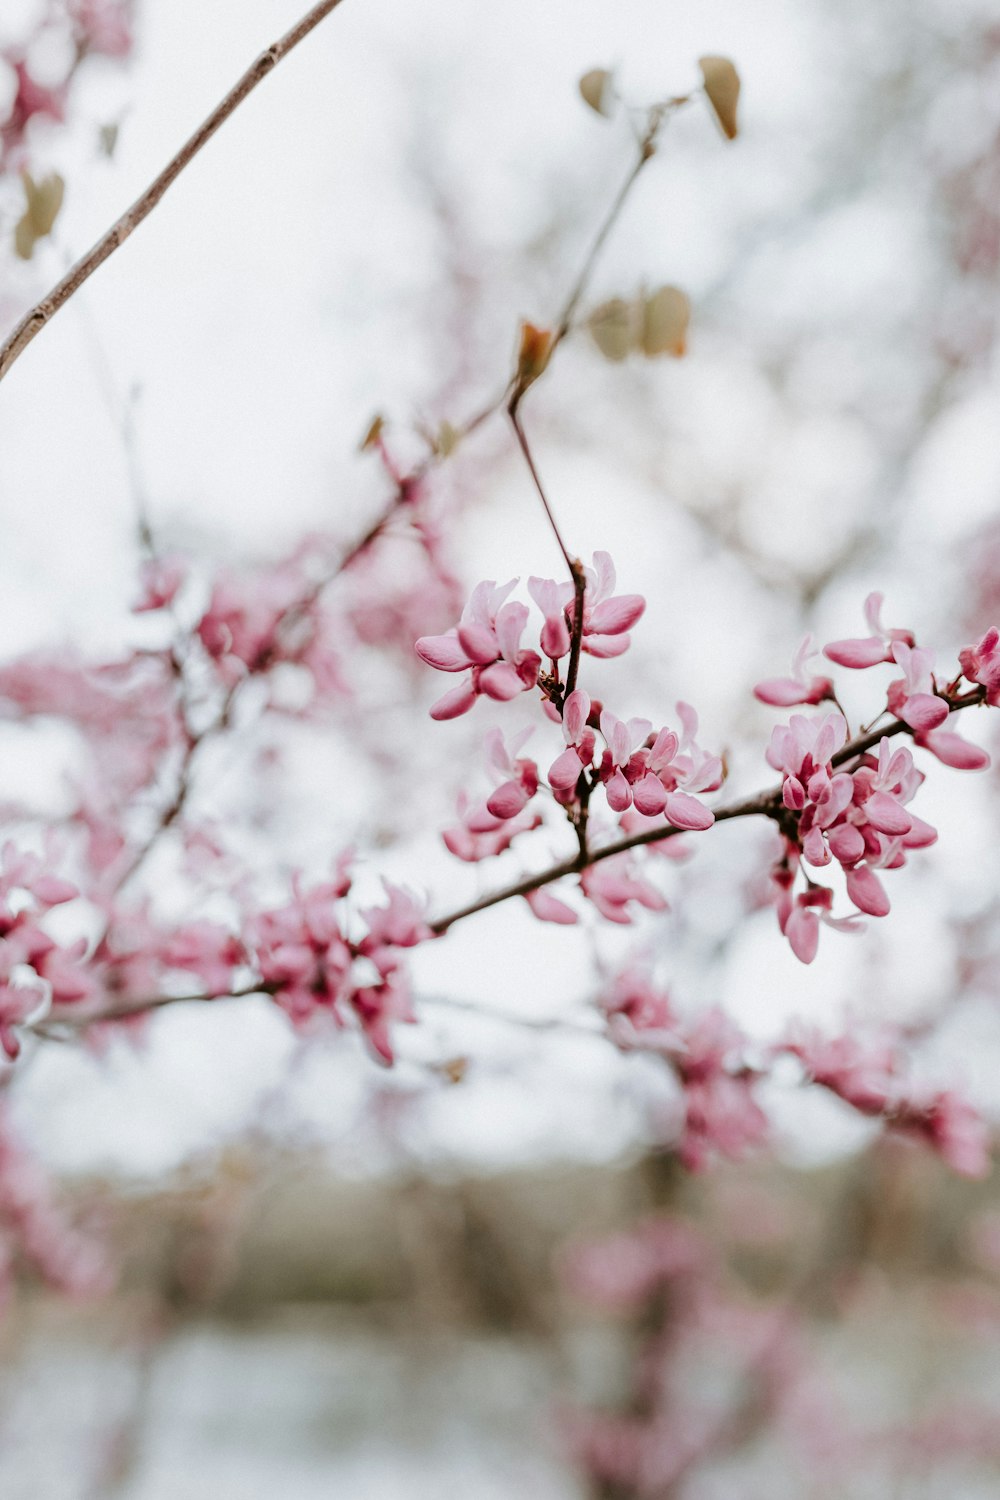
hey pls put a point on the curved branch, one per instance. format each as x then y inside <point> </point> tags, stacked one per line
<point>34,321</point>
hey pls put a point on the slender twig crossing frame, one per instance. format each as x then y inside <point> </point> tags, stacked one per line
<point>43,312</point>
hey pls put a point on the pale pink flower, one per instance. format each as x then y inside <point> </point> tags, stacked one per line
<point>981,663</point>
<point>912,697</point>
<point>548,908</point>
<point>607,617</point>
<point>161,578</point>
<point>613,883</point>
<point>785,692</point>
<point>490,835</point>
<point>487,644</point>
<point>517,778</point>
<point>103,26</point>
<point>871,649</point>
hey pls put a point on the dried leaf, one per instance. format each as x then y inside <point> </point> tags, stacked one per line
<point>722,87</point>
<point>107,139</point>
<point>665,318</point>
<point>595,90</point>
<point>613,327</point>
<point>43,200</point>
<point>447,440</point>
<point>533,353</point>
<point>373,434</point>
<point>454,1069</point>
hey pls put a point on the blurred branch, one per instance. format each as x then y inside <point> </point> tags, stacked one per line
<point>34,321</point>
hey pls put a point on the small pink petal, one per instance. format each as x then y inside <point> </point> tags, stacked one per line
<point>886,814</point>
<point>508,800</point>
<point>924,711</point>
<point>548,908</point>
<point>846,843</point>
<point>458,701</point>
<point>867,892</point>
<point>443,652</point>
<point>685,811</point>
<point>954,751</point>
<point>606,645</point>
<point>616,615</point>
<point>649,795</point>
<point>576,711</point>
<point>478,643</point>
<point>802,932</point>
<point>564,771</point>
<point>782,692</point>
<point>619,793</point>
<point>920,835</point>
<point>501,682</point>
<point>555,638</point>
<point>857,653</point>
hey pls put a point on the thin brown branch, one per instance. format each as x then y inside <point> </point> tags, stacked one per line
<point>33,323</point>
<point>572,563</point>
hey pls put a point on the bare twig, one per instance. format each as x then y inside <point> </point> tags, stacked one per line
<point>33,323</point>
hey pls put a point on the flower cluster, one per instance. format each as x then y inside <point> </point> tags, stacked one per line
<point>850,806</point>
<point>36,972</point>
<point>869,1075</point>
<point>310,962</point>
<point>718,1113</point>
<point>649,778</point>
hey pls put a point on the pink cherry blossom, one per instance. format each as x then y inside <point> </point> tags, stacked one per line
<point>912,697</point>
<point>873,648</point>
<point>481,835</point>
<point>785,692</point>
<point>613,883</point>
<point>607,617</point>
<point>487,644</point>
<point>981,663</point>
<point>517,778</point>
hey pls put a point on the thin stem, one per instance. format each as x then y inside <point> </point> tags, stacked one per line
<point>647,149</point>
<point>572,563</point>
<point>33,323</point>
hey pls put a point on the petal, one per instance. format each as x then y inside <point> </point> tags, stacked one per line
<point>564,771</point>
<point>500,682</point>
<point>782,692</point>
<point>887,815</point>
<point>684,811</point>
<point>510,624</point>
<point>954,751</point>
<point>924,711</point>
<point>555,638</point>
<point>606,645</point>
<point>479,643</point>
<point>576,712</point>
<point>846,843</point>
<point>649,795</point>
<point>508,800</point>
<point>857,653</point>
<point>920,835</point>
<point>866,891</point>
<point>802,932</point>
<point>619,793</point>
<point>443,652</point>
<point>616,615</point>
<point>458,701</point>
<point>548,908</point>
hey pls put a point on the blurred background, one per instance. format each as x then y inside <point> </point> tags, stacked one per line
<point>339,1279</point>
